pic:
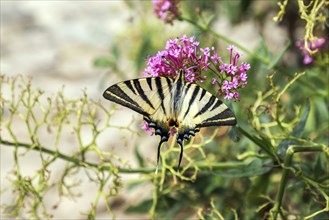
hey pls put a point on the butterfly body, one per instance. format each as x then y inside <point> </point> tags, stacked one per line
<point>171,104</point>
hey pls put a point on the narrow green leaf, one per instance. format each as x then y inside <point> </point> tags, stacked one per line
<point>103,62</point>
<point>234,134</point>
<point>139,157</point>
<point>142,207</point>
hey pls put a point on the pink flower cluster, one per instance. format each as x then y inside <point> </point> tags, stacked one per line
<point>184,53</point>
<point>166,10</point>
<point>233,75</point>
<point>316,44</point>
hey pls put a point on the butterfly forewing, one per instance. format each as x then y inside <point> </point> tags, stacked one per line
<point>144,96</point>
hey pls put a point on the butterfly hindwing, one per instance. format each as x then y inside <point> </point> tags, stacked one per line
<point>202,109</point>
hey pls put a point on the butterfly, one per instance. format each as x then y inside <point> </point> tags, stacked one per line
<point>168,103</point>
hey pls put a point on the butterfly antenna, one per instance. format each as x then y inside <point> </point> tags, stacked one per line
<point>163,139</point>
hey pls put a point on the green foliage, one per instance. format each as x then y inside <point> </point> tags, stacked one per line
<point>313,13</point>
<point>276,167</point>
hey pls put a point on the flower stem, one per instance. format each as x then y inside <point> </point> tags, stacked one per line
<point>72,159</point>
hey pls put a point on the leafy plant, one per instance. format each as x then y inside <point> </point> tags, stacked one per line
<point>273,165</point>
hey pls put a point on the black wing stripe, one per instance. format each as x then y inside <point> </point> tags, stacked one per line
<point>141,92</point>
<point>177,95</point>
<point>194,95</point>
<point>169,83</point>
<point>160,92</point>
<point>149,82</point>
<point>128,84</point>
<point>202,94</point>
<point>228,122</point>
<point>226,117</point>
<point>217,104</point>
<point>227,113</point>
<point>206,107</point>
<point>117,95</point>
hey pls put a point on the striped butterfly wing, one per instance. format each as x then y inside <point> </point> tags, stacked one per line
<point>202,109</point>
<point>150,97</point>
<point>212,111</point>
<point>145,95</point>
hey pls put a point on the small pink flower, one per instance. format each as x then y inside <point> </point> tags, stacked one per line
<point>229,95</point>
<point>215,58</point>
<point>308,59</point>
<point>146,127</point>
<point>166,10</point>
<point>235,96</point>
<point>244,67</point>
<point>313,46</point>
<point>173,131</point>
<point>243,76</point>
<point>214,81</point>
<point>226,85</point>
<point>235,83</point>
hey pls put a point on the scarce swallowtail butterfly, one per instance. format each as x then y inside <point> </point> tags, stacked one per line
<point>167,103</point>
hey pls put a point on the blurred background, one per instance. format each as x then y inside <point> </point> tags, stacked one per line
<point>77,46</point>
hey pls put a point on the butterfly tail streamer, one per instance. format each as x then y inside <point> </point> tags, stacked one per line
<point>163,139</point>
<point>181,153</point>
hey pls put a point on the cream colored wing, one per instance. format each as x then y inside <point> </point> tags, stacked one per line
<point>145,95</point>
<point>202,109</point>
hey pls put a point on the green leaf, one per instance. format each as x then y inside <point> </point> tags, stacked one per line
<point>142,207</point>
<point>139,157</point>
<point>103,62</point>
<point>134,184</point>
<point>320,166</point>
<point>234,134</point>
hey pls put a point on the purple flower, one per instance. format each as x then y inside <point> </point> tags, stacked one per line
<point>173,131</point>
<point>229,95</point>
<point>215,58</point>
<point>311,47</point>
<point>166,10</point>
<point>243,76</point>
<point>146,127</point>
<point>185,54</point>
<point>226,85</point>
<point>214,81</point>
<point>180,53</point>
